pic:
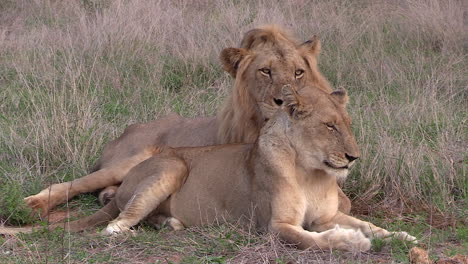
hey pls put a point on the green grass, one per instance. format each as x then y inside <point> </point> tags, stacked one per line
<point>215,244</point>
<point>14,209</point>
<point>70,81</point>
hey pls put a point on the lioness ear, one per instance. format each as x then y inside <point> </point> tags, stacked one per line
<point>292,102</point>
<point>341,96</point>
<point>231,58</point>
<point>312,46</point>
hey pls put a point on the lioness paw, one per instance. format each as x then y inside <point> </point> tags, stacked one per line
<point>175,224</point>
<point>404,236</point>
<point>347,239</point>
<point>106,195</point>
<point>114,228</point>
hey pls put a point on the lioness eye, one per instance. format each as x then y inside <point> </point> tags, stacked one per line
<point>299,73</point>
<point>265,71</point>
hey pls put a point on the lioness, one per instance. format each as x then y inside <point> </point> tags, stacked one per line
<point>285,182</point>
<point>267,60</point>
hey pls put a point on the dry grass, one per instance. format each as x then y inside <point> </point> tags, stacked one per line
<point>74,73</point>
<point>220,244</point>
<point>225,243</point>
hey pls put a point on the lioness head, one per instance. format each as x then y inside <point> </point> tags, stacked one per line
<point>267,60</point>
<point>319,129</point>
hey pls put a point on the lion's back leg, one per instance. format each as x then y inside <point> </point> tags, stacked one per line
<point>61,192</point>
<point>166,177</point>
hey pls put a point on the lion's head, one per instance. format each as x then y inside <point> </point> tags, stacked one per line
<point>319,130</point>
<point>267,60</point>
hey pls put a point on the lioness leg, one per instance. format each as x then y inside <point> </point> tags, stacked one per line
<point>369,229</point>
<point>167,175</point>
<point>61,192</point>
<point>336,238</point>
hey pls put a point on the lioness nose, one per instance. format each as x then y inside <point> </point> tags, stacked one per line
<point>350,158</point>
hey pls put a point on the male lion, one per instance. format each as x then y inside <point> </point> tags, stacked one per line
<point>267,60</point>
<point>285,182</point>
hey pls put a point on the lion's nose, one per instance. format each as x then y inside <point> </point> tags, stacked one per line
<point>277,101</point>
<point>350,158</point>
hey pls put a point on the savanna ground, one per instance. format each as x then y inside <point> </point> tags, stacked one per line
<point>74,74</point>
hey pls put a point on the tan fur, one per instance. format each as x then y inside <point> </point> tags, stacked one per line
<point>285,183</point>
<point>254,99</point>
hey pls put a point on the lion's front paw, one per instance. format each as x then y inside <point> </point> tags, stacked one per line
<point>347,239</point>
<point>39,202</point>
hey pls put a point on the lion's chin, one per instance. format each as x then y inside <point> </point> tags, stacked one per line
<point>340,174</point>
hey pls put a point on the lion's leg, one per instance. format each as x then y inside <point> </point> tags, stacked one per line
<point>61,192</point>
<point>336,238</point>
<point>344,203</point>
<point>369,229</point>
<point>168,177</point>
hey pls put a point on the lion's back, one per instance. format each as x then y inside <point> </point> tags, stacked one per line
<point>172,130</point>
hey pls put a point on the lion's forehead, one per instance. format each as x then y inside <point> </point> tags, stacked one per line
<point>280,57</point>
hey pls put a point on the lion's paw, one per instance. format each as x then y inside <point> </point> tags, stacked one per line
<point>39,201</point>
<point>347,239</point>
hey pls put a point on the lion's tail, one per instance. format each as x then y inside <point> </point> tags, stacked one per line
<point>104,215</point>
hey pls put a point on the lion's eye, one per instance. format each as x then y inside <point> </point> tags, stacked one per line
<point>299,73</point>
<point>330,126</point>
<point>265,71</point>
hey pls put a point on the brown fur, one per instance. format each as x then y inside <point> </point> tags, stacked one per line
<point>285,183</point>
<point>254,99</point>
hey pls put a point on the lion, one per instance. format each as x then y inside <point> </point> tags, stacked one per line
<point>285,182</point>
<point>267,60</point>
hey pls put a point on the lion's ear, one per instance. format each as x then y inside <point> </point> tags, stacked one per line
<point>231,58</point>
<point>341,96</point>
<point>310,51</point>
<point>293,102</point>
<point>312,46</point>
<point>252,37</point>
